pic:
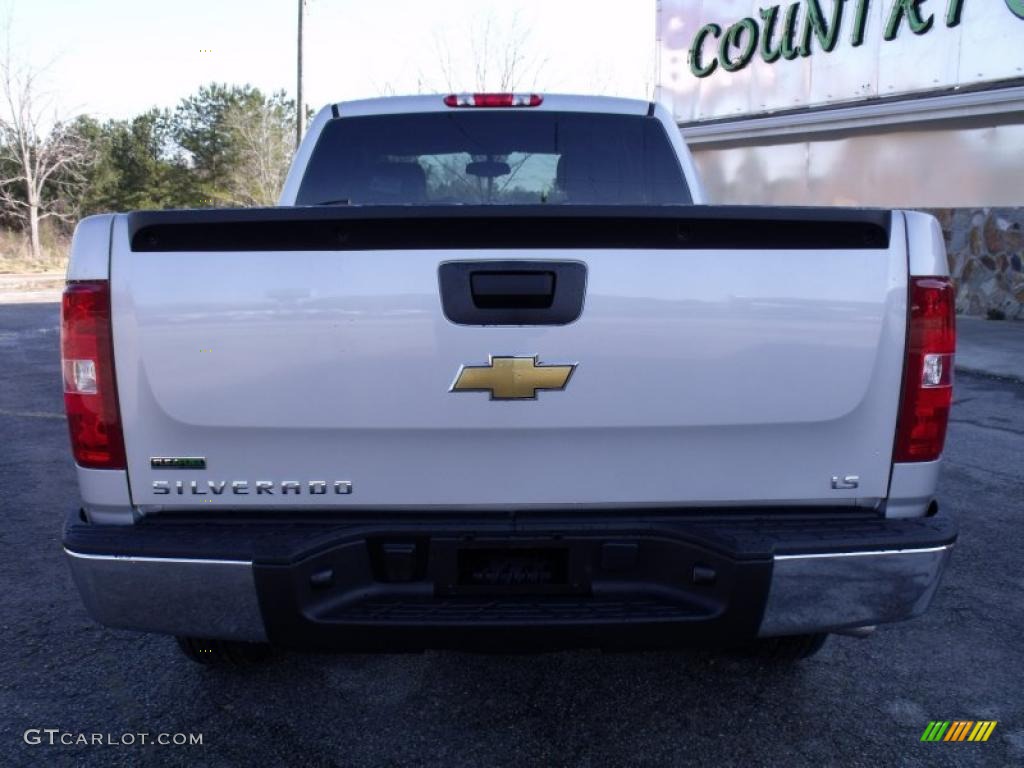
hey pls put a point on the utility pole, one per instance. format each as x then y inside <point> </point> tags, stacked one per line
<point>300,108</point>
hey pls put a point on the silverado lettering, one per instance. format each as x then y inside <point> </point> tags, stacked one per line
<point>241,487</point>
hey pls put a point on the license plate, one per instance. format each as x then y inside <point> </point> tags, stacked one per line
<point>513,567</point>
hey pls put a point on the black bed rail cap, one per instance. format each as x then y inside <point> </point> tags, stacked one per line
<point>357,228</point>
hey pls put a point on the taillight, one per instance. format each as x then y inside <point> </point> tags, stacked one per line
<point>87,360</point>
<point>493,100</point>
<point>928,376</point>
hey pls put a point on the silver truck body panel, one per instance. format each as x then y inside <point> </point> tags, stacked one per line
<point>90,248</point>
<point>105,496</point>
<point>703,377</point>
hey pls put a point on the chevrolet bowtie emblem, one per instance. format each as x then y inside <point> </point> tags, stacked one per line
<point>512,378</point>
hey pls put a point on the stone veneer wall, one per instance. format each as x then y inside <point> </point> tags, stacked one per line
<point>985,247</point>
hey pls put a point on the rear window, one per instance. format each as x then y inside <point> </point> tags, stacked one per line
<point>494,158</point>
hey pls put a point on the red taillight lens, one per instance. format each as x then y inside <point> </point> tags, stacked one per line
<point>928,377</point>
<point>87,360</point>
<point>493,100</point>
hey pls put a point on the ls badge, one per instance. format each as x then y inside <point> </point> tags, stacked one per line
<point>512,378</point>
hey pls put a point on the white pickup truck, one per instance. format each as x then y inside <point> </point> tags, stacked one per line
<point>494,375</point>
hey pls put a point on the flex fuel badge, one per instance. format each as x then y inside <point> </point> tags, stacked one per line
<point>177,462</point>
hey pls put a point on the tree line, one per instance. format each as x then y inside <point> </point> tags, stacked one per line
<point>223,145</point>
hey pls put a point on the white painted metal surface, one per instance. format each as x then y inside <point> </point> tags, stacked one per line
<point>912,488</point>
<point>927,251</point>
<point>90,249</point>
<point>754,378</point>
<point>105,496</point>
<point>704,377</point>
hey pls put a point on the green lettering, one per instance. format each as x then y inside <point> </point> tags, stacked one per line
<point>827,33</point>
<point>953,12</point>
<point>908,8</point>
<point>696,66</point>
<point>859,22</point>
<point>732,39</point>
<point>786,48</point>
<point>768,19</point>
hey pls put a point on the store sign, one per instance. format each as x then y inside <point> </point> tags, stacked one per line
<point>733,57</point>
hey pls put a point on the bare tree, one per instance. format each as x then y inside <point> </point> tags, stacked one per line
<point>262,137</point>
<point>42,161</point>
<point>495,55</point>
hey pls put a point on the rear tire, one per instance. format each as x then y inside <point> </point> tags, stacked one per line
<point>231,653</point>
<point>788,649</point>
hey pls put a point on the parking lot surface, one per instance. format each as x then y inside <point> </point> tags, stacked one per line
<point>857,703</point>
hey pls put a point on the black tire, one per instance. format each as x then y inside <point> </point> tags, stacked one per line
<point>788,649</point>
<point>231,653</point>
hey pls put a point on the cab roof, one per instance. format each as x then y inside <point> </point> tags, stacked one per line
<point>552,102</point>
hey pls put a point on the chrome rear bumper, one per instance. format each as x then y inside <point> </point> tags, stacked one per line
<point>177,596</point>
<point>833,591</point>
<point>212,598</point>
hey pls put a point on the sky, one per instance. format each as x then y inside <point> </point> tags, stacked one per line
<point>117,58</point>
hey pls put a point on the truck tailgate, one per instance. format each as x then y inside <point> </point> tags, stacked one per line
<point>709,372</point>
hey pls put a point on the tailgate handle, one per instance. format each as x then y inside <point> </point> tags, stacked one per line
<point>519,289</point>
<point>512,292</point>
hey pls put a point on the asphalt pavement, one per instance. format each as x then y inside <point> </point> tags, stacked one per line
<point>857,703</point>
<point>990,347</point>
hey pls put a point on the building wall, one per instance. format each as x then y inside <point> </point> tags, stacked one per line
<point>986,258</point>
<point>935,163</point>
<point>861,105</point>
